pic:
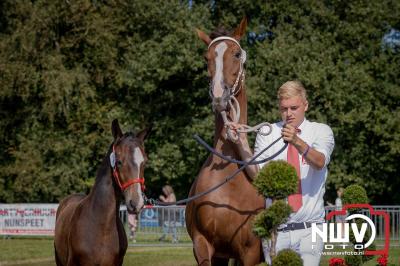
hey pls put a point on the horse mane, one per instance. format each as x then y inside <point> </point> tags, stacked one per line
<point>129,134</point>
<point>220,31</point>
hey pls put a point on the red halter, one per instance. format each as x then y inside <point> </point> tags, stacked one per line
<point>128,183</point>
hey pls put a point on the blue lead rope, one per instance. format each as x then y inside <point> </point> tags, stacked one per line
<point>243,163</point>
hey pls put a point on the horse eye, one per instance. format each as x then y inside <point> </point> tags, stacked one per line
<point>119,163</point>
<point>238,55</point>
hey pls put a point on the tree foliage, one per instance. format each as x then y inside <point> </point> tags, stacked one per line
<point>68,68</point>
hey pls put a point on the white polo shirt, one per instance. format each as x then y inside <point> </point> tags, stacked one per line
<point>319,137</point>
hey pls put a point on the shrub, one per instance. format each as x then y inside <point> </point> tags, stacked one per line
<point>355,194</point>
<point>287,257</point>
<point>268,220</point>
<point>353,260</point>
<point>277,180</point>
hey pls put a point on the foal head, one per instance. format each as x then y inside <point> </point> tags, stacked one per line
<point>127,160</point>
<point>225,59</point>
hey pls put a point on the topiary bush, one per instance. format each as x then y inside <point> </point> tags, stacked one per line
<point>276,180</point>
<point>353,260</point>
<point>287,257</point>
<point>268,220</point>
<point>354,194</point>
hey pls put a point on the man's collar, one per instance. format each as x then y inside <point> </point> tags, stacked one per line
<point>301,127</point>
<point>303,124</point>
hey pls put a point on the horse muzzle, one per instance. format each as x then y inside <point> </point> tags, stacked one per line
<point>134,199</point>
<point>220,104</point>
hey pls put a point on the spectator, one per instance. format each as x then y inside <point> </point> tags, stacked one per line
<point>132,223</point>
<point>168,194</point>
<point>168,215</point>
<point>338,205</point>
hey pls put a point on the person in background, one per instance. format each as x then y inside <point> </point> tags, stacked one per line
<point>168,194</point>
<point>168,215</point>
<point>132,223</point>
<point>338,205</point>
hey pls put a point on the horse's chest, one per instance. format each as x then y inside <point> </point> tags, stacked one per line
<point>102,247</point>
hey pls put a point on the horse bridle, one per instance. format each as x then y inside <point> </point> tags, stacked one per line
<point>233,102</point>
<point>241,75</point>
<point>131,181</point>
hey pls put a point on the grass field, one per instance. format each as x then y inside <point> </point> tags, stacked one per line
<point>39,252</point>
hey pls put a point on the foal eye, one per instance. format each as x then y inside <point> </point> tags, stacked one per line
<point>238,55</point>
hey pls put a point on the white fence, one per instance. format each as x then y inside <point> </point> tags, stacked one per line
<point>161,223</point>
<point>154,222</point>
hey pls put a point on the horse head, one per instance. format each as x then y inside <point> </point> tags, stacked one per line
<point>127,161</point>
<point>225,60</point>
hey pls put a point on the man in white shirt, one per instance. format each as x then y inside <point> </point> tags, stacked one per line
<point>312,143</point>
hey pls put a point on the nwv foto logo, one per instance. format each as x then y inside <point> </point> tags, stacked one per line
<point>336,234</point>
<point>339,235</point>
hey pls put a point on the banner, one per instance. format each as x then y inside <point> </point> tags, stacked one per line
<point>28,219</point>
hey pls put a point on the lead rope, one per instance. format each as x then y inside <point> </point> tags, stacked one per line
<point>235,112</point>
<point>227,179</point>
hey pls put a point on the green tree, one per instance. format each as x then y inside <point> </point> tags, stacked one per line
<point>67,68</point>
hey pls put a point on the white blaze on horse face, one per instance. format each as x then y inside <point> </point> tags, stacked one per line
<point>138,159</point>
<point>218,79</point>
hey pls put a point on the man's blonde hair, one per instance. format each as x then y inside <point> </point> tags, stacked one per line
<point>291,89</point>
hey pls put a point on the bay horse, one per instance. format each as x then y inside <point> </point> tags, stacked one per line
<point>88,229</point>
<point>220,223</point>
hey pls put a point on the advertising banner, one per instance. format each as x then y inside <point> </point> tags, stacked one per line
<point>27,219</point>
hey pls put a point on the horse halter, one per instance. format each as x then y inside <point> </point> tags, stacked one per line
<point>233,102</point>
<point>123,186</point>
<point>241,75</point>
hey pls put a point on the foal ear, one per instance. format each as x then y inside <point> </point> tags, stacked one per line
<point>241,29</point>
<point>142,135</point>
<point>203,36</point>
<point>115,129</point>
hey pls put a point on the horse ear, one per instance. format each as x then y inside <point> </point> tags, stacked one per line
<point>241,29</point>
<point>115,129</point>
<point>203,36</point>
<point>142,135</point>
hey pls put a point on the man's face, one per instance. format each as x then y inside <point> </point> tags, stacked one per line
<point>293,110</point>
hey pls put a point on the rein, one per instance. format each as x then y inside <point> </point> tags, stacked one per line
<point>227,179</point>
<point>232,160</point>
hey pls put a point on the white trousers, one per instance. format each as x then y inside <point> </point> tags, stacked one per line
<point>299,241</point>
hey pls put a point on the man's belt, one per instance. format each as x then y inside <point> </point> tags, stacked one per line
<point>295,226</point>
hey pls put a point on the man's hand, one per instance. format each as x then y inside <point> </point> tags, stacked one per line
<point>241,138</point>
<point>289,134</point>
<point>244,149</point>
<point>315,158</point>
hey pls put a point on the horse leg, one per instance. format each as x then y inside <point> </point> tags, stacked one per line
<point>203,250</point>
<point>215,261</point>
<point>58,262</point>
<point>251,257</point>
